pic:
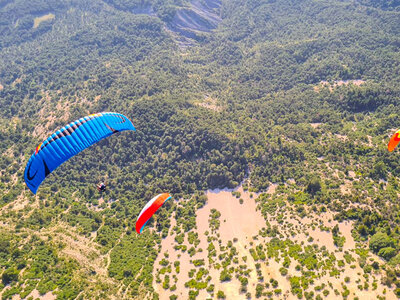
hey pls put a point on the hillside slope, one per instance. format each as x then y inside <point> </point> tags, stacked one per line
<point>294,102</point>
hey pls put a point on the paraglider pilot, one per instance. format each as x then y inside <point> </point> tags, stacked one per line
<point>101,187</point>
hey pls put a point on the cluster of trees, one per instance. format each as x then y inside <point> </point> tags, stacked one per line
<point>42,268</point>
<point>165,10</point>
<point>376,228</point>
<point>389,5</point>
<point>262,67</point>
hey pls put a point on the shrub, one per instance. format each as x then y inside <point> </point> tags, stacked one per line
<point>225,276</point>
<point>283,271</point>
<point>380,240</point>
<point>221,295</point>
<point>314,186</point>
<point>9,276</point>
<point>387,252</point>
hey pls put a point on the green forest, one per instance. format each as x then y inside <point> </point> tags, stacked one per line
<point>280,91</point>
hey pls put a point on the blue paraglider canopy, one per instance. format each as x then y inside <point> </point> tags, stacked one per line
<point>69,141</point>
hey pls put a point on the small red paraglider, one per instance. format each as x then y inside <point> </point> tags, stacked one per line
<point>148,211</point>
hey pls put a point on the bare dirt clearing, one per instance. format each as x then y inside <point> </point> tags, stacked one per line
<point>332,86</point>
<point>210,103</point>
<point>38,20</point>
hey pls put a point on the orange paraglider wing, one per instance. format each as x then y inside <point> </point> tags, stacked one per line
<point>151,207</point>
<point>394,141</point>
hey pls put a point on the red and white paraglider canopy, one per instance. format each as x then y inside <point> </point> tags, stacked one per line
<point>148,211</point>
